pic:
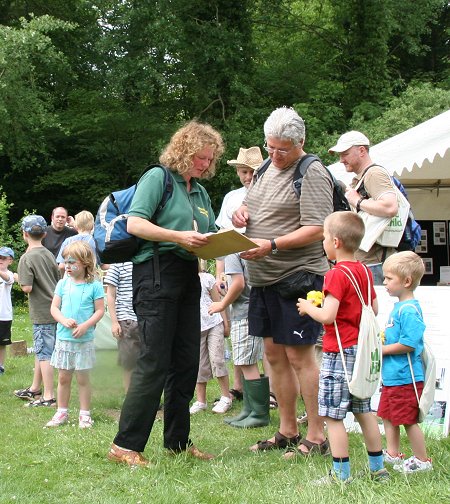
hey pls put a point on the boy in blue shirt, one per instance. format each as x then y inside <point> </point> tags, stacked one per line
<point>403,334</point>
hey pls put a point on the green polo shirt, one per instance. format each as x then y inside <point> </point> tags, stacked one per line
<point>181,209</point>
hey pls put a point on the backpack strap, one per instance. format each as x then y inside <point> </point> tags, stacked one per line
<point>299,172</point>
<point>409,353</point>
<point>354,282</point>
<point>168,190</point>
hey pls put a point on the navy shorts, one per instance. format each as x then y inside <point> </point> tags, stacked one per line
<point>5,332</point>
<point>270,315</point>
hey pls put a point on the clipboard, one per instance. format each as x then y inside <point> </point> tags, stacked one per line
<point>222,243</point>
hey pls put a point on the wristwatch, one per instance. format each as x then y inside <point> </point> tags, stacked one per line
<point>274,246</point>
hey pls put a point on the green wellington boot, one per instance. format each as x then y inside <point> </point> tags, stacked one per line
<point>246,409</point>
<point>259,396</point>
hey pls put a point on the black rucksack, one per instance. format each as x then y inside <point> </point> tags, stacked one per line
<point>413,232</point>
<point>340,202</point>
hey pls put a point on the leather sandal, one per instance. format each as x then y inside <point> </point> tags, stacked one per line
<point>313,449</point>
<point>281,443</point>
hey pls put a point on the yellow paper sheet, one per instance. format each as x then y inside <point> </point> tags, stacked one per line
<point>222,243</point>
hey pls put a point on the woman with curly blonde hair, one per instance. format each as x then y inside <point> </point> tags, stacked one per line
<point>166,293</point>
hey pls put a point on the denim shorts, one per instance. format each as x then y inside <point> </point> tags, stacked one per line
<point>44,336</point>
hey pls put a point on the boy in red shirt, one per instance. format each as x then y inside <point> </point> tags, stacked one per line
<point>343,232</point>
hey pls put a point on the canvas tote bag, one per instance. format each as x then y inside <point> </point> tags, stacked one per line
<point>366,375</point>
<point>385,231</point>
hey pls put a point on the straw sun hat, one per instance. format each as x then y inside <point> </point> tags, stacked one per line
<point>251,158</point>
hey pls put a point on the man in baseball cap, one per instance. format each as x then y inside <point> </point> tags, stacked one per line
<point>372,191</point>
<point>348,140</point>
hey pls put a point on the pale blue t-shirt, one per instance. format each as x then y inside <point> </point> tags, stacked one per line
<point>78,237</point>
<point>77,302</point>
<point>405,326</point>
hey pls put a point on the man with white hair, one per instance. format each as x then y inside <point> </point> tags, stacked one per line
<point>289,232</point>
<point>372,190</point>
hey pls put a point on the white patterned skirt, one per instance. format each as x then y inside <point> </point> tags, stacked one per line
<point>73,356</point>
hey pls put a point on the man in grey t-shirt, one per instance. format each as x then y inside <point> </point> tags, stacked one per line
<point>289,232</point>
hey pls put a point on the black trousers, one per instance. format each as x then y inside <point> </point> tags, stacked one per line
<point>169,326</point>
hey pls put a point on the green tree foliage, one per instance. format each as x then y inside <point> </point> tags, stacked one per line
<point>31,69</point>
<point>91,90</point>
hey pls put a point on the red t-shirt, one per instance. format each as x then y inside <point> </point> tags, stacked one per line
<point>349,312</point>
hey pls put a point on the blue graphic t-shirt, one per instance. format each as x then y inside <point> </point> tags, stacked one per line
<point>405,326</point>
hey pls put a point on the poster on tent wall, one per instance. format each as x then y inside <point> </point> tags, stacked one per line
<point>435,302</point>
<point>434,249</point>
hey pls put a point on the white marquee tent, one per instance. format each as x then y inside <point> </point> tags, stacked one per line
<point>420,158</point>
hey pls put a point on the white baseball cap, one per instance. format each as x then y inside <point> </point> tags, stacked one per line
<point>348,140</point>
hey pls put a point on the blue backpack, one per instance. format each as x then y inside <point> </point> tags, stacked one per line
<point>413,232</point>
<point>114,243</point>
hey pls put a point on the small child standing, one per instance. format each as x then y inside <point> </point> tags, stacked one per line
<point>6,311</point>
<point>77,306</point>
<point>212,349</point>
<point>124,326</point>
<point>403,334</point>
<point>84,224</point>
<point>343,232</point>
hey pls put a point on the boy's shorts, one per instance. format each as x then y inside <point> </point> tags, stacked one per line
<point>212,354</point>
<point>247,349</point>
<point>5,332</point>
<point>270,315</point>
<point>335,400</point>
<point>44,336</point>
<point>129,344</point>
<point>398,404</point>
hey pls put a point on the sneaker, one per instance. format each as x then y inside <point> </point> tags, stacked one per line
<point>85,422</point>
<point>389,459</point>
<point>330,479</point>
<point>59,418</point>
<point>197,406</point>
<point>413,465</point>
<point>2,370</point>
<point>223,405</point>
<point>381,476</point>
<point>27,394</point>
<point>42,402</point>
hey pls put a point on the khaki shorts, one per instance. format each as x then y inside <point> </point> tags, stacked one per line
<point>212,354</point>
<point>129,344</point>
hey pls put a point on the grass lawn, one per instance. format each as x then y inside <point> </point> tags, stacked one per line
<point>68,465</point>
